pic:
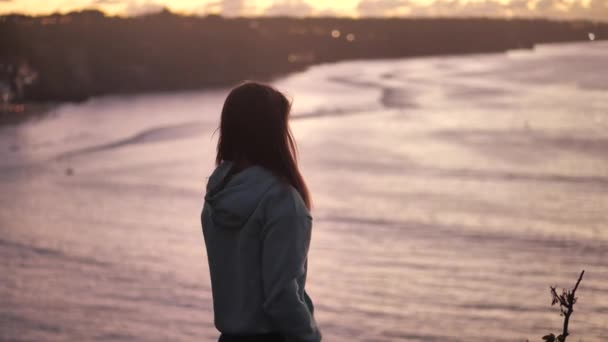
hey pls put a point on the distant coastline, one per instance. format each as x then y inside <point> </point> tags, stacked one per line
<point>75,56</point>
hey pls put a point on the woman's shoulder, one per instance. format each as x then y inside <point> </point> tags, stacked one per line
<point>283,199</point>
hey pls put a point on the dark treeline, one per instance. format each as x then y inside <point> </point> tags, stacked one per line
<point>78,55</point>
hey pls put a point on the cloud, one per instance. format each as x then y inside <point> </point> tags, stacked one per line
<point>135,8</point>
<point>233,8</point>
<point>380,8</point>
<point>559,9</point>
<point>228,8</point>
<point>328,12</point>
<point>599,7</point>
<point>295,8</point>
<point>107,2</point>
<point>132,7</point>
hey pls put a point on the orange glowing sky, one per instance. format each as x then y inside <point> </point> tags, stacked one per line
<point>589,9</point>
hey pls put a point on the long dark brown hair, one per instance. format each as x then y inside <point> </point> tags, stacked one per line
<point>254,130</point>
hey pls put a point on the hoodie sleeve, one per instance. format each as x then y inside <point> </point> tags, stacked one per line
<point>286,237</point>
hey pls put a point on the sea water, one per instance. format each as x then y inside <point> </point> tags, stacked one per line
<point>449,194</point>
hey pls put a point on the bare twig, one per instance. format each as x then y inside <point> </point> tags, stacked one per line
<point>566,302</point>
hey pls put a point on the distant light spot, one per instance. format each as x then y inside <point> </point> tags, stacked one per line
<point>335,33</point>
<point>292,58</point>
<point>350,37</point>
<point>591,36</point>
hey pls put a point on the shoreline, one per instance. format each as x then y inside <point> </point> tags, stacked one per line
<point>20,112</point>
<point>73,57</point>
<point>13,114</point>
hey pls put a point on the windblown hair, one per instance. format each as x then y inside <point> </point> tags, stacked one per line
<point>254,130</point>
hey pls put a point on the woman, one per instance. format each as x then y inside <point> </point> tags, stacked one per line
<point>256,223</point>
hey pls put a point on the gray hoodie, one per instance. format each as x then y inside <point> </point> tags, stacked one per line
<point>257,232</point>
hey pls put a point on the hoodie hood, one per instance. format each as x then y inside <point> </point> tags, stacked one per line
<point>232,205</point>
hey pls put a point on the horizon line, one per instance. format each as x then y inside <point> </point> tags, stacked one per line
<point>334,16</point>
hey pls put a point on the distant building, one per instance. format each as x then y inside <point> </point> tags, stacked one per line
<point>14,78</point>
<point>24,76</point>
<point>6,94</point>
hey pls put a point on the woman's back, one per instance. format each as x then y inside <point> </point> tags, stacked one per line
<point>257,231</point>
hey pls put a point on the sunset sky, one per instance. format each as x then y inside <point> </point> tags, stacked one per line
<point>588,9</point>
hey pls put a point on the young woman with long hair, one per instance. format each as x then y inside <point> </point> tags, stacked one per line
<point>257,224</point>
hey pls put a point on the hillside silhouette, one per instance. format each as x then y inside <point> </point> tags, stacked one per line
<point>78,55</point>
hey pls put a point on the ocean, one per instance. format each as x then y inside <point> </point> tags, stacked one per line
<point>449,193</point>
